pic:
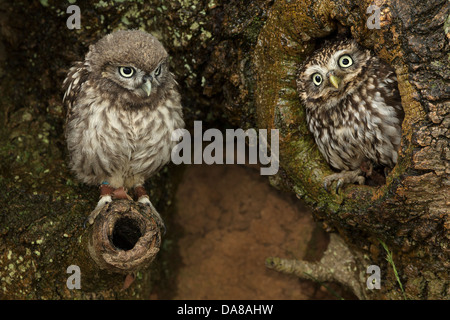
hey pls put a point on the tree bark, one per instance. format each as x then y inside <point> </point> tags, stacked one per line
<point>236,64</point>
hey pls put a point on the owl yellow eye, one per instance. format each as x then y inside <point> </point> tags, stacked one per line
<point>345,61</point>
<point>126,72</point>
<point>317,79</point>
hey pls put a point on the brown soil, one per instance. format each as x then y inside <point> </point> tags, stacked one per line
<point>229,220</point>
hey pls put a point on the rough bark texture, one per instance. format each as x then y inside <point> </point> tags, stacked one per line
<point>236,65</point>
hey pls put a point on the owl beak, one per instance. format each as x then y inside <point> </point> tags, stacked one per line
<point>147,87</point>
<point>335,81</point>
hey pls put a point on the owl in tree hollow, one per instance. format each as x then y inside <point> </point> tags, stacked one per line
<point>123,106</point>
<point>353,109</point>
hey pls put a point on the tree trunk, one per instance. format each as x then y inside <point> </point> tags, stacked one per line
<point>236,65</point>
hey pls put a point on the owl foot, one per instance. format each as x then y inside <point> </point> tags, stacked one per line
<point>144,199</point>
<point>104,200</point>
<point>107,193</point>
<point>344,177</point>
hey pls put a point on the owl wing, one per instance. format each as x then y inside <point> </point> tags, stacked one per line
<point>72,86</point>
<point>389,79</point>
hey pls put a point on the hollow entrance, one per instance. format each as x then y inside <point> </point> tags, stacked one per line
<point>126,234</point>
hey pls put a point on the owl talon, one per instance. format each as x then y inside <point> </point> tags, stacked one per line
<point>104,200</point>
<point>86,221</point>
<point>339,185</point>
<point>344,177</point>
<point>159,221</point>
<point>327,184</point>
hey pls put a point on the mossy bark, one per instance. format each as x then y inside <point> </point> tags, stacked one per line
<point>236,65</point>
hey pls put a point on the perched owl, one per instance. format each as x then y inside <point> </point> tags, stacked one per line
<point>123,105</point>
<point>353,109</point>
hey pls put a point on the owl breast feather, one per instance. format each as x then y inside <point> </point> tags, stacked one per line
<point>120,143</point>
<point>364,125</point>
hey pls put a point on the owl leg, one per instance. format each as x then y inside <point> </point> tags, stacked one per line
<point>143,198</point>
<point>344,177</point>
<point>106,194</point>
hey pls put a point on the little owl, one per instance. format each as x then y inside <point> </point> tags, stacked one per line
<point>353,109</point>
<point>123,106</point>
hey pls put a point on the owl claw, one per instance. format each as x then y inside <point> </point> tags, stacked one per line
<point>327,183</point>
<point>86,221</point>
<point>159,221</point>
<point>339,184</point>
<point>344,177</point>
<point>104,200</point>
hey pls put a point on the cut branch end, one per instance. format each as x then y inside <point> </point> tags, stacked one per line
<point>125,237</point>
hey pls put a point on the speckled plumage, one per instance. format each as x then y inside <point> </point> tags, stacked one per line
<point>118,128</point>
<point>357,118</point>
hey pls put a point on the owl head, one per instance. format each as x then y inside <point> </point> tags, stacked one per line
<point>331,73</point>
<point>130,64</point>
